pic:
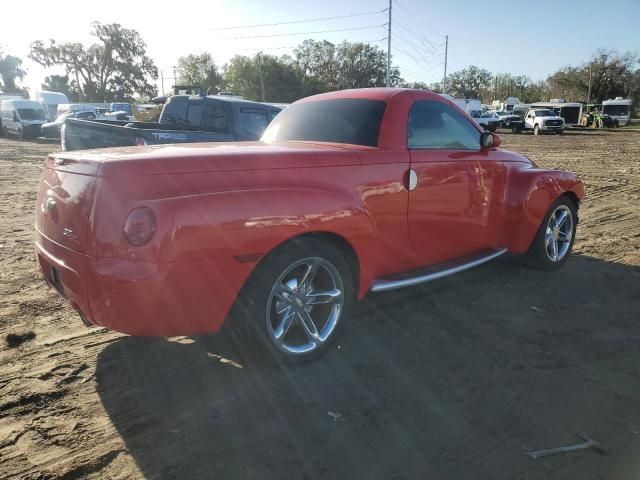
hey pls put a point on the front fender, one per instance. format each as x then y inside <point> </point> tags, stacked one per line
<point>530,195</point>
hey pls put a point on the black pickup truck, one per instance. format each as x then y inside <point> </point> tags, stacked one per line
<point>184,119</point>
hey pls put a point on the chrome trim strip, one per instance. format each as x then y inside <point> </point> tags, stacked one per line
<point>384,285</point>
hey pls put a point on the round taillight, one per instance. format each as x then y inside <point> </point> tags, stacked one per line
<point>140,226</point>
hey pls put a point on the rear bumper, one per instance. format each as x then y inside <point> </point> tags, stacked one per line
<point>143,298</point>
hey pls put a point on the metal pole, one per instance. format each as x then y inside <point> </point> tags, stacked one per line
<point>446,55</point>
<point>261,79</point>
<point>589,91</point>
<point>389,46</point>
<point>161,82</point>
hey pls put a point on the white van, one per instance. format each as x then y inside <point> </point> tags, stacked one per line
<point>22,118</point>
<point>50,102</point>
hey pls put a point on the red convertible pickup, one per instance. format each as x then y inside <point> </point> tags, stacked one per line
<point>347,193</point>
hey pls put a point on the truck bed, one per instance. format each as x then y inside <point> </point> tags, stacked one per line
<point>89,134</point>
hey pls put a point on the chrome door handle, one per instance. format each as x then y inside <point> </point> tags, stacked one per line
<point>412,180</point>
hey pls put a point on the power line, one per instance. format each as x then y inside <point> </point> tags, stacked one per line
<point>417,49</point>
<point>319,19</point>
<point>296,46</point>
<point>410,16</point>
<point>303,33</point>
<point>412,57</point>
<point>431,46</point>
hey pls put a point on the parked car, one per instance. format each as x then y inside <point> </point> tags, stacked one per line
<point>122,107</point>
<point>540,120</point>
<point>346,193</point>
<point>51,130</point>
<point>509,120</point>
<point>488,120</point>
<point>78,107</point>
<point>184,119</point>
<point>22,118</point>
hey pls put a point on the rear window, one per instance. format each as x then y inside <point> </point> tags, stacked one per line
<point>351,121</point>
<point>254,121</point>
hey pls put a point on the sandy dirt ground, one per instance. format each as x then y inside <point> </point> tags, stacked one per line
<point>450,380</point>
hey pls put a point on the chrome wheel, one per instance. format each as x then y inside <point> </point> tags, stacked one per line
<point>558,234</point>
<point>304,306</point>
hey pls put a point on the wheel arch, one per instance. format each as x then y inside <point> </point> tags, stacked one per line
<point>338,241</point>
<point>531,195</point>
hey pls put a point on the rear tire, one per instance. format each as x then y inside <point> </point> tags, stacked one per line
<point>295,304</point>
<point>553,242</point>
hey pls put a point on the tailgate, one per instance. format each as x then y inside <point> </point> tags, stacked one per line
<point>65,196</point>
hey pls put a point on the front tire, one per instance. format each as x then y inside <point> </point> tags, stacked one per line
<point>554,240</point>
<point>296,302</point>
<point>536,130</point>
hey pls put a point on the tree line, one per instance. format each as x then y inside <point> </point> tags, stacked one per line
<point>116,67</point>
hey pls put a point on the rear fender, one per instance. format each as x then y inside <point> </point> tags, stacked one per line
<point>248,224</point>
<point>531,194</point>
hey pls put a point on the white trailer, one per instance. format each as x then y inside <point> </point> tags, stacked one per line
<point>506,106</point>
<point>570,112</point>
<point>619,109</point>
<point>50,102</point>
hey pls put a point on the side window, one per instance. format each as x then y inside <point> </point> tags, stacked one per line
<point>214,117</point>
<point>254,121</point>
<point>435,125</point>
<point>194,116</point>
<point>273,113</point>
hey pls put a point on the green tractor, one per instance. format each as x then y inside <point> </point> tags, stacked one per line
<point>596,119</point>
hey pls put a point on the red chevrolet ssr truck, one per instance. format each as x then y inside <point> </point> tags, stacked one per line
<point>347,193</point>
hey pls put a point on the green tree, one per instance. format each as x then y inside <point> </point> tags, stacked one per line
<point>362,65</point>
<point>277,77</point>
<point>61,83</point>
<point>612,75</point>
<point>316,62</point>
<point>201,70</point>
<point>503,85</point>
<point>113,69</point>
<point>10,71</point>
<point>469,82</point>
<point>325,66</point>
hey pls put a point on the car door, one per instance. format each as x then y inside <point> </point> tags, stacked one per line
<point>455,186</point>
<point>529,119</point>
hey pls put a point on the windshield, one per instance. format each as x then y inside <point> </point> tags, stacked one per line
<point>502,113</point>
<point>545,113</point>
<point>350,121</point>
<point>31,114</point>
<point>616,109</point>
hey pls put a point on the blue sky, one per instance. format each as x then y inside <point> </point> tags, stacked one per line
<point>534,40</point>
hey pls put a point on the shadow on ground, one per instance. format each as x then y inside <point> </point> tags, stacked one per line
<point>448,380</point>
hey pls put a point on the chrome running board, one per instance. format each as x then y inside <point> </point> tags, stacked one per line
<point>435,272</point>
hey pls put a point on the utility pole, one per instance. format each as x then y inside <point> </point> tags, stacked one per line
<point>161,83</point>
<point>260,70</point>
<point>589,91</point>
<point>446,55</point>
<point>389,46</point>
